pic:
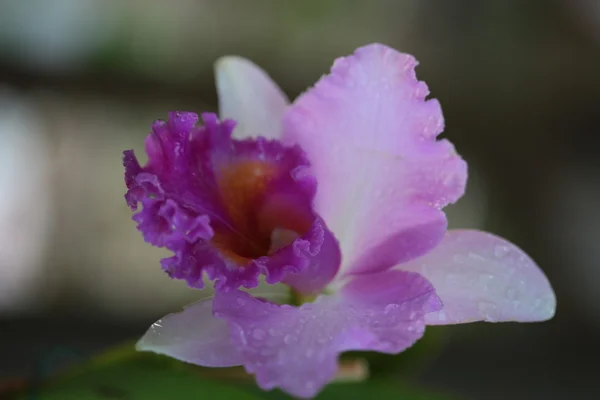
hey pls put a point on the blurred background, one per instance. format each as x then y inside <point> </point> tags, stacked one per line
<point>81,80</point>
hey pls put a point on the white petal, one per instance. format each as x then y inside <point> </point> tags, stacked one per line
<point>192,335</point>
<point>481,277</point>
<point>248,95</point>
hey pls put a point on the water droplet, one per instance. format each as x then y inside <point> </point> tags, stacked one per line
<point>501,251</point>
<point>459,259</point>
<point>240,301</point>
<point>487,310</point>
<point>486,278</point>
<point>287,339</point>
<point>441,315</point>
<point>422,91</point>
<point>258,334</point>
<point>453,279</point>
<point>389,308</point>
<point>272,332</point>
<point>476,257</point>
<point>511,294</point>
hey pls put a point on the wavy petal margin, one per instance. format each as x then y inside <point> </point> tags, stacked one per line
<point>383,177</point>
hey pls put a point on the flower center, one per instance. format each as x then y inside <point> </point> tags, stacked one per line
<point>263,214</point>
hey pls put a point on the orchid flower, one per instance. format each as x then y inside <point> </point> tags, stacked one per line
<point>336,200</point>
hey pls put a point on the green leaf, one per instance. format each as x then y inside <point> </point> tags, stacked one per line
<point>379,390</point>
<point>376,389</point>
<point>124,374</point>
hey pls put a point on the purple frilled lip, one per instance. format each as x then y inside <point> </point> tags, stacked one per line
<point>230,209</point>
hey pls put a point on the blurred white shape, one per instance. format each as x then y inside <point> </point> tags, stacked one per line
<point>104,263</point>
<point>56,34</point>
<point>25,203</point>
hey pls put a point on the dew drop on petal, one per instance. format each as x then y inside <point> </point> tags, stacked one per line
<point>487,309</point>
<point>486,278</point>
<point>322,340</point>
<point>287,339</point>
<point>476,257</point>
<point>511,294</point>
<point>258,334</point>
<point>389,308</point>
<point>501,251</point>
<point>459,259</point>
<point>441,315</point>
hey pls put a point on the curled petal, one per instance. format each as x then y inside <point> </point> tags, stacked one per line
<point>164,222</point>
<point>481,277</point>
<point>424,227</point>
<point>324,257</point>
<point>191,260</point>
<point>249,96</point>
<point>371,138</point>
<point>296,348</point>
<point>230,209</point>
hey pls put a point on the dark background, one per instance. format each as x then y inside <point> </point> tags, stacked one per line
<point>81,80</point>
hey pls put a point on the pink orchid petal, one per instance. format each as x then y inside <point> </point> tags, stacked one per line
<point>249,96</point>
<point>481,277</point>
<point>296,348</point>
<point>193,335</point>
<point>371,138</point>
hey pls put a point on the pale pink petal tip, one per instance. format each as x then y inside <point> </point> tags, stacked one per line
<point>194,336</point>
<point>481,277</point>
<point>248,95</point>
